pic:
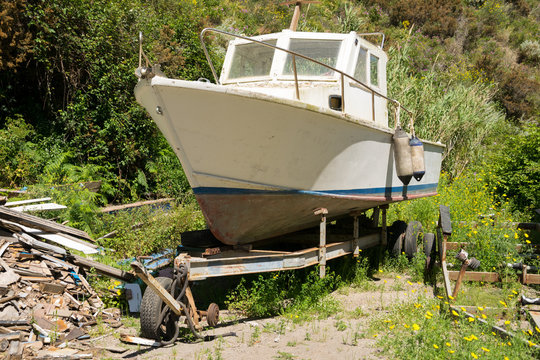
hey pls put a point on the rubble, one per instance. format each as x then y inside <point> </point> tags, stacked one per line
<point>46,302</point>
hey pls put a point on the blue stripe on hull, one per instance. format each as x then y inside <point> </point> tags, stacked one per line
<point>379,191</point>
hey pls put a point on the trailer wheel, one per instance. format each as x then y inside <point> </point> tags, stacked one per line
<point>414,228</point>
<point>429,241</point>
<point>212,315</point>
<point>429,250</point>
<point>158,322</point>
<point>395,236</point>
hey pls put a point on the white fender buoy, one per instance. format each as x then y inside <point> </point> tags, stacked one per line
<point>402,156</point>
<point>417,156</point>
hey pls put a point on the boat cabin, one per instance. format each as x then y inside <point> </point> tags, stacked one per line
<point>269,70</point>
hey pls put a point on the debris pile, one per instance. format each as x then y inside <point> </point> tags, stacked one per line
<point>45,298</point>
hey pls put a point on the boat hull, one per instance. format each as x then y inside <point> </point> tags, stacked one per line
<point>259,165</point>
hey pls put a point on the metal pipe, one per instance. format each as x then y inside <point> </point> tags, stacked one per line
<point>342,93</point>
<point>295,78</point>
<point>293,53</point>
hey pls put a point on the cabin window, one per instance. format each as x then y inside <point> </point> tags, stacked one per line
<point>374,70</point>
<point>324,51</point>
<point>360,70</point>
<point>250,60</point>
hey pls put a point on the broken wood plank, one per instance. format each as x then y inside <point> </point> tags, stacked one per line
<point>39,207</point>
<point>102,268</point>
<point>30,241</point>
<point>476,276</point>
<point>52,288</point>
<point>39,223</point>
<point>25,202</point>
<point>14,322</point>
<point>15,350</point>
<point>136,204</point>
<point>9,298</point>
<point>9,277</point>
<point>63,240</point>
<point>138,340</point>
<point>16,335</point>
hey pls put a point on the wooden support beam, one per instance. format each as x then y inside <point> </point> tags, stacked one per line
<point>476,276</point>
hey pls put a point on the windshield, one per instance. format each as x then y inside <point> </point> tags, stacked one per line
<point>251,60</point>
<point>324,51</point>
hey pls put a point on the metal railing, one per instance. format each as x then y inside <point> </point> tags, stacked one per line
<point>294,55</point>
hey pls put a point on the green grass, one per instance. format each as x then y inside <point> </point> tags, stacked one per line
<point>428,329</point>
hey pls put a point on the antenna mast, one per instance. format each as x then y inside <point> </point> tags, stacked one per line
<point>296,14</point>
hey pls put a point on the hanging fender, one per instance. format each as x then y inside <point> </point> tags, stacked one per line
<point>417,156</point>
<point>402,156</point>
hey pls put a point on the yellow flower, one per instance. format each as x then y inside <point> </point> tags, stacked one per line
<point>506,322</point>
<point>471,319</point>
<point>474,355</point>
<point>515,292</point>
<point>380,270</point>
<point>531,343</point>
<point>473,337</point>
<point>503,303</point>
<point>375,335</point>
<point>448,344</point>
<point>429,313</point>
<point>527,241</point>
<point>406,326</point>
<point>398,277</point>
<point>417,305</point>
<point>454,312</point>
<point>484,316</point>
<point>463,309</point>
<point>450,297</point>
<point>480,308</point>
<point>410,283</point>
<point>486,350</point>
<point>392,327</point>
<point>526,235</point>
<point>451,351</point>
<point>509,343</point>
<point>435,346</point>
<point>416,327</point>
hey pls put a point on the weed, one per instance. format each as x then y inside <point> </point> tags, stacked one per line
<point>307,337</point>
<point>284,356</point>
<point>291,343</point>
<point>255,336</point>
<point>340,325</point>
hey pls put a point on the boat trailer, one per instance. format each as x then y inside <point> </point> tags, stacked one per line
<point>168,302</point>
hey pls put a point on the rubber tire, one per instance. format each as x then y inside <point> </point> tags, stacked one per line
<point>429,242</point>
<point>395,236</point>
<point>151,305</point>
<point>212,317</point>
<point>410,245</point>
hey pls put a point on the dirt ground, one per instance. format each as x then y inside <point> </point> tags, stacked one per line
<point>344,336</point>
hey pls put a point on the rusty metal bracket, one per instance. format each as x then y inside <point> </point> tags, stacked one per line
<point>322,241</point>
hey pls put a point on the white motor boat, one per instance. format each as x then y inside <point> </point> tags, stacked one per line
<point>296,121</point>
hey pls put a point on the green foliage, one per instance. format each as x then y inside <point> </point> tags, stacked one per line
<point>515,169</point>
<point>427,329</point>
<point>19,156</point>
<point>478,218</point>
<point>145,230</point>
<point>268,294</point>
<point>436,18</point>
<point>460,114</point>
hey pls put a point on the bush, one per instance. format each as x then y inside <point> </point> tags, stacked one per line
<point>529,52</point>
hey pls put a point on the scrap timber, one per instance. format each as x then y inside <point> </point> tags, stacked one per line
<point>45,298</point>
